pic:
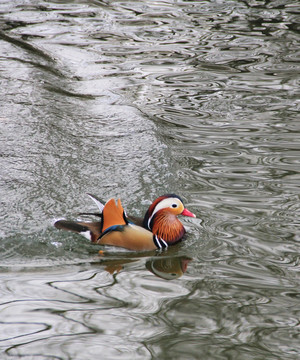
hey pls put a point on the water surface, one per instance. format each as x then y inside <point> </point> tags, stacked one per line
<point>133,100</point>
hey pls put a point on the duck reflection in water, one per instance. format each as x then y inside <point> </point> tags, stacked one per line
<point>168,268</point>
<point>163,266</point>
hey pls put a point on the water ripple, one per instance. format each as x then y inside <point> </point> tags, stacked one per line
<point>135,99</point>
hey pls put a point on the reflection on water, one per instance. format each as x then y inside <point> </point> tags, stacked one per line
<point>132,100</point>
<point>167,267</point>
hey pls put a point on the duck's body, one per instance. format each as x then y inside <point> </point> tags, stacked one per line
<point>159,228</point>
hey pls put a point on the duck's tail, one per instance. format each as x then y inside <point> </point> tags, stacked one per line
<point>90,230</point>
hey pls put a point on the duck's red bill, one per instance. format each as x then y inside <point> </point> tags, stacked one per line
<point>187,212</point>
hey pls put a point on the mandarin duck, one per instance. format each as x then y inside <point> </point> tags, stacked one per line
<point>158,229</point>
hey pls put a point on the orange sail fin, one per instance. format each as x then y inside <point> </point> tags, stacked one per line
<point>113,214</point>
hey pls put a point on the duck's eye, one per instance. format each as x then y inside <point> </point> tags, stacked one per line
<point>174,205</point>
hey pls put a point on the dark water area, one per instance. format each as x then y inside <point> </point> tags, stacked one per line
<point>135,99</point>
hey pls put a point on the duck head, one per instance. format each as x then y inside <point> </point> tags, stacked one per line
<point>161,218</point>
